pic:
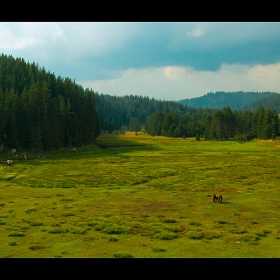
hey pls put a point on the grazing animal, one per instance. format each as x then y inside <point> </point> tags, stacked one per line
<point>23,158</point>
<point>8,162</point>
<point>217,197</point>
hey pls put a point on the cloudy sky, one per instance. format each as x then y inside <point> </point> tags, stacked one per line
<point>161,60</point>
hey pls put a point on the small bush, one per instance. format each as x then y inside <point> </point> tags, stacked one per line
<point>57,231</point>
<point>122,255</point>
<point>158,250</point>
<point>77,230</point>
<point>195,224</point>
<point>29,210</point>
<point>237,230</point>
<point>12,243</point>
<point>36,247</point>
<point>250,239</point>
<point>55,225</point>
<point>9,176</point>
<point>36,224</point>
<point>113,239</point>
<point>108,215</point>
<point>170,221</point>
<point>221,222</point>
<point>2,223</point>
<point>211,235</point>
<point>144,216</point>
<point>263,233</point>
<point>115,230</point>
<point>17,234</point>
<point>174,229</point>
<point>66,199</point>
<point>68,214</point>
<point>165,235</point>
<point>160,216</point>
<point>2,204</point>
<point>98,227</point>
<point>194,235</point>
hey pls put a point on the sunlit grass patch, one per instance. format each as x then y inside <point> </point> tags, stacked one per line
<point>9,176</point>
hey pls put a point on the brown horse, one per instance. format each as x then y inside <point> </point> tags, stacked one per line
<point>217,197</point>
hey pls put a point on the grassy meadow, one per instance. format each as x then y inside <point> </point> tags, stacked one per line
<point>143,197</point>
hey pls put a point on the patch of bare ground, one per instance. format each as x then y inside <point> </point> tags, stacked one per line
<point>157,205</point>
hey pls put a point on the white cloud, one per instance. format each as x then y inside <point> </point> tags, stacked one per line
<point>176,83</point>
<point>29,34</point>
<point>197,32</point>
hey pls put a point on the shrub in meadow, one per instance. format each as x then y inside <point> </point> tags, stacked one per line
<point>165,235</point>
<point>194,234</point>
<point>122,255</point>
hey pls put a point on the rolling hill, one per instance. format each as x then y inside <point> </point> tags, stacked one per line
<point>235,100</point>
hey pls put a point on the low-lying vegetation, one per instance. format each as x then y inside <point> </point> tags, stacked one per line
<point>138,196</point>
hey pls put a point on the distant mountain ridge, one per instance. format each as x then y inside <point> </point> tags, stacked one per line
<point>235,100</point>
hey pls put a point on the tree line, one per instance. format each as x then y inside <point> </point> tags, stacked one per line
<point>40,111</point>
<point>220,124</point>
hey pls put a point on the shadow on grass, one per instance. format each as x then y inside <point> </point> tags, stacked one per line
<point>98,150</point>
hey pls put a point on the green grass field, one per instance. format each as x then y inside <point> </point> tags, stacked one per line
<point>143,197</point>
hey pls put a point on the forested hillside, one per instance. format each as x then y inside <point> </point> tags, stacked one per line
<point>133,111</point>
<point>272,102</point>
<point>40,111</point>
<point>235,100</point>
